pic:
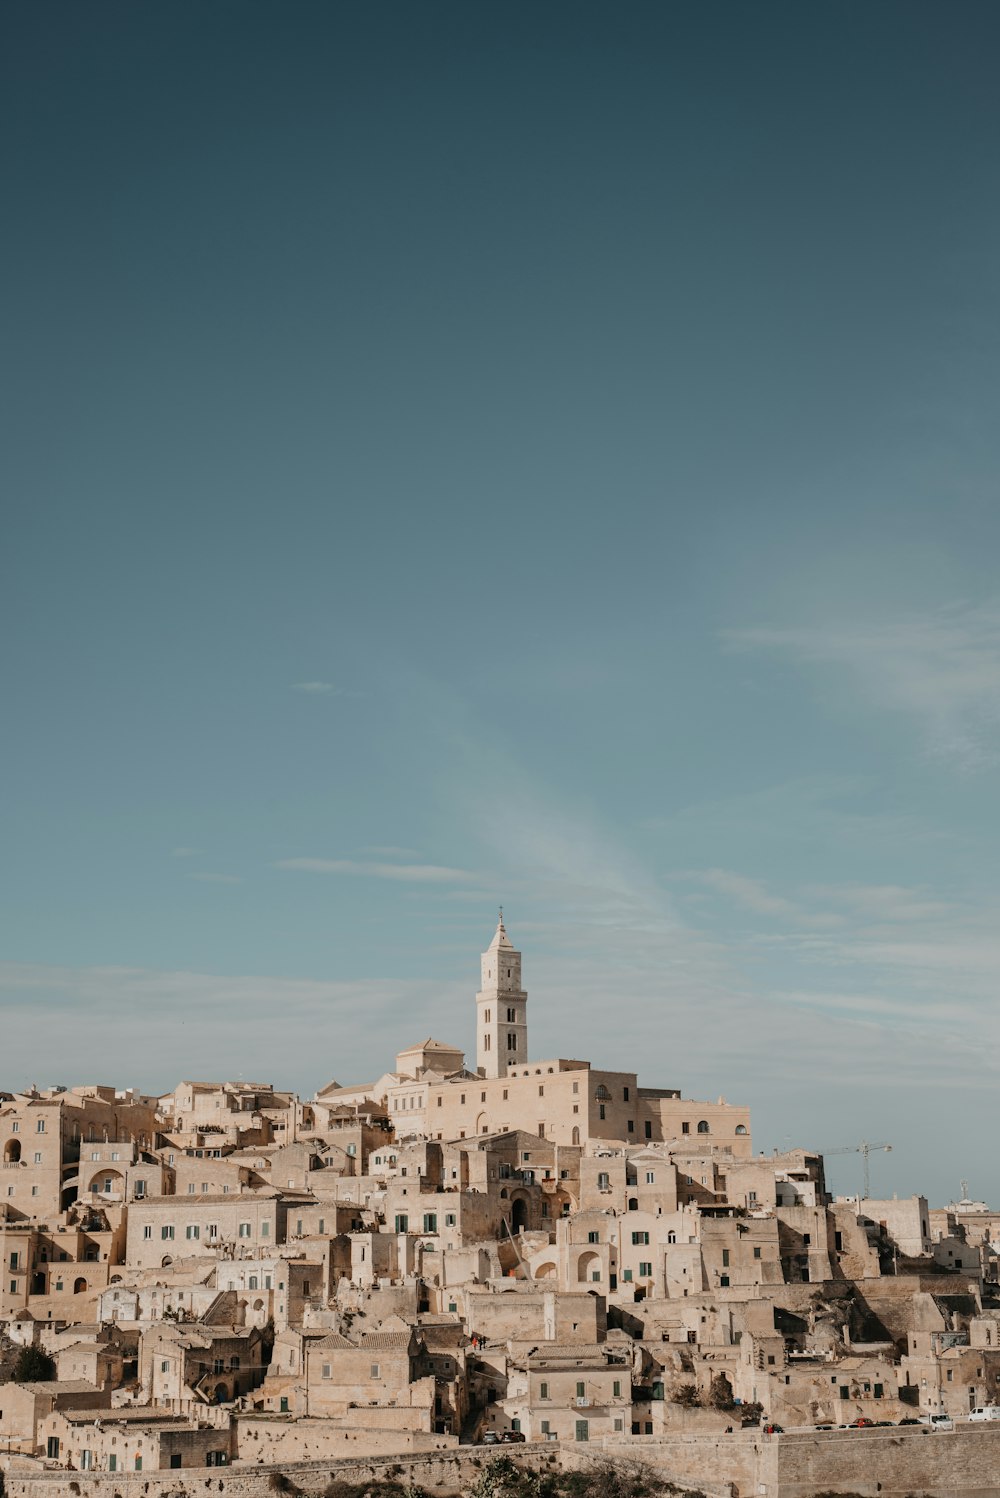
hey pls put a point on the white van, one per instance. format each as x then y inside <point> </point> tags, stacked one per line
<point>985,1412</point>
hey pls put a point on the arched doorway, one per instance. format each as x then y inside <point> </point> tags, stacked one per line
<point>221,1393</point>
<point>518,1213</point>
<point>79,1286</point>
<point>12,1151</point>
<point>589,1267</point>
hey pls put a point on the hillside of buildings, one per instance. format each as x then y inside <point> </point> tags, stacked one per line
<point>519,1252</point>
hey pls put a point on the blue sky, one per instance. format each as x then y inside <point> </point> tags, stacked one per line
<point>508,453</point>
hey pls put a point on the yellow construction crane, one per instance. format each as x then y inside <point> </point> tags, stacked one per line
<point>863,1149</point>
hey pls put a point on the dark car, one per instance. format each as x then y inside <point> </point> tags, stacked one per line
<point>910,1420</point>
<point>511,1437</point>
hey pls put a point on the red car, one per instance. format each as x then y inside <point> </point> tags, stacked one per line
<point>860,1424</point>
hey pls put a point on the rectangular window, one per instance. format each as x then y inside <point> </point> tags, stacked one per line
<point>593,1237</point>
<point>724,1280</point>
<point>147,1231</point>
<point>38,1157</point>
<point>543,1391</point>
<point>602,1110</point>
<point>402,1222</point>
<point>582,1430</point>
<point>167,1231</point>
<point>244,1230</point>
<point>265,1229</point>
<point>192,1231</point>
<point>327,1371</point>
<point>685,1128</point>
<point>581,1390</point>
<point>40,1126</point>
<point>603,1181</point>
<point>645,1270</point>
<point>165,1366</point>
<point>616,1389</point>
<point>545,1428</point>
<point>52,1447</point>
<point>627,1275</point>
<point>650,1177</point>
<point>725,1258</point>
<point>756,1253</point>
<point>190,1188</point>
<point>640,1237</point>
<point>138,1464</point>
<point>430,1222</point>
<point>376,1371</point>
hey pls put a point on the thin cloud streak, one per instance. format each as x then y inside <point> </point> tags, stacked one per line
<point>415,873</point>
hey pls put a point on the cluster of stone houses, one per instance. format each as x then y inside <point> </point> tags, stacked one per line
<point>232,1274</point>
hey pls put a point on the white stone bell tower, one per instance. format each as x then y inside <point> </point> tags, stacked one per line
<point>501,1008</point>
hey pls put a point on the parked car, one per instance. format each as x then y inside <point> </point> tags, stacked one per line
<point>773,1430</point>
<point>861,1423</point>
<point>985,1412</point>
<point>910,1420</point>
<point>489,1438</point>
<point>940,1422</point>
<point>511,1437</point>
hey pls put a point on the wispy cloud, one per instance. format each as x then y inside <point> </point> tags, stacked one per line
<point>750,893</point>
<point>316,688</point>
<point>208,878</point>
<point>941,668</point>
<point>415,873</point>
<point>885,902</point>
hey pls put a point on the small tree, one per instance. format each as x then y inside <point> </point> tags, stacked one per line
<point>686,1395</point>
<point>720,1395</point>
<point>33,1366</point>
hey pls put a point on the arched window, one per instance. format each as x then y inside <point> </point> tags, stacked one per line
<point>741,1128</point>
<point>12,1151</point>
<point>671,1236</point>
<point>602,1094</point>
<point>576,1136</point>
<point>703,1127</point>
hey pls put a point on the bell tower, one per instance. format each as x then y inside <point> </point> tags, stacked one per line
<point>501,1008</point>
